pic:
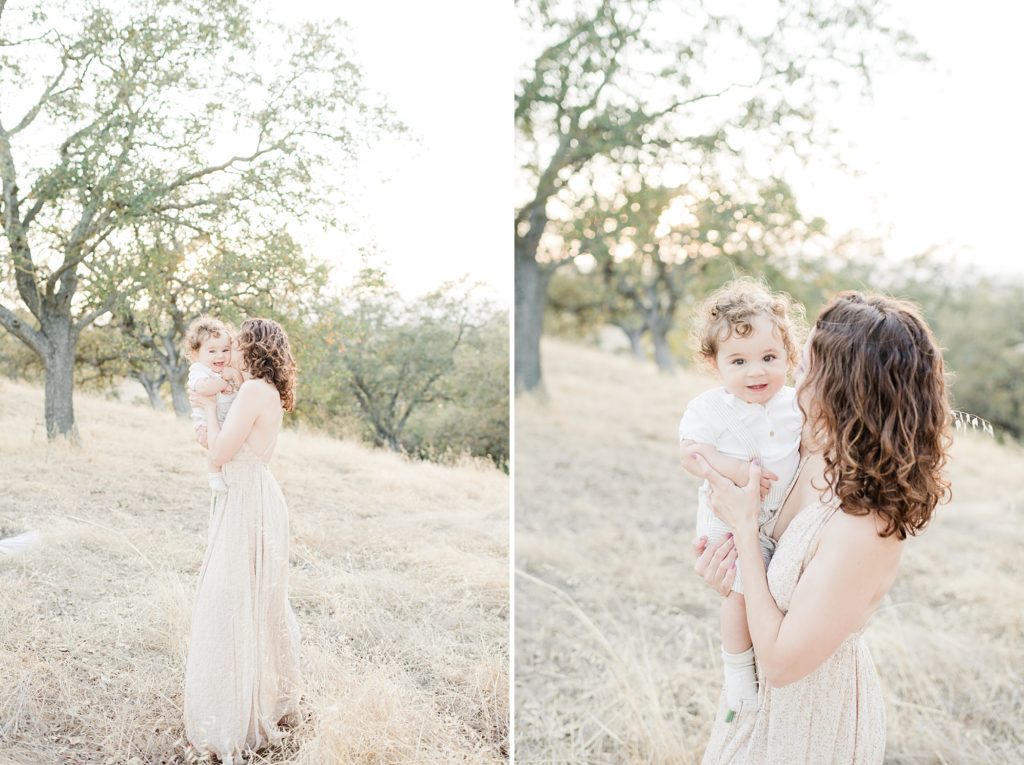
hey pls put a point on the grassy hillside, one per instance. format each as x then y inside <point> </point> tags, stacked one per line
<point>617,640</point>
<point>399,581</point>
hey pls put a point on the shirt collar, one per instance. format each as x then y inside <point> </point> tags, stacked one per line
<point>769,405</point>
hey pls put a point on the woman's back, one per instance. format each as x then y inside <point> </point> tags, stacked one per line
<point>270,414</point>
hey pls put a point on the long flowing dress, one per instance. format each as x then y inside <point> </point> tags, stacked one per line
<point>242,673</point>
<point>833,716</point>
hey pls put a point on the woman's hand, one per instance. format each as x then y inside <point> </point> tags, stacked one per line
<point>201,437</point>
<point>737,506</point>
<point>717,563</point>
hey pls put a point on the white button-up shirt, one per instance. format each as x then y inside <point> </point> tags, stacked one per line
<point>774,428</point>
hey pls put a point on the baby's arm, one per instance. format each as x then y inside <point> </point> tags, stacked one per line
<point>733,468</point>
<point>736,470</point>
<point>210,386</point>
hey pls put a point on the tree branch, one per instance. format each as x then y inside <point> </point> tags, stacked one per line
<point>32,337</point>
<point>21,254</point>
<point>197,174</point>
<point>88,318</point>
<point>37,107</point>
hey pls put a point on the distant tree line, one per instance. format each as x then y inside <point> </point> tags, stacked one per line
<point>426,377</point>
<point>976,318</point>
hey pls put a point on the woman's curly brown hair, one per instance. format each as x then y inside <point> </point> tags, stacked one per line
<point>267,355</point>
<point>879,409</point>
<point>731,309</point>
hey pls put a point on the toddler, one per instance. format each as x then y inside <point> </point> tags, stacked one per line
<point>748,336</point>
<point>208,346</point>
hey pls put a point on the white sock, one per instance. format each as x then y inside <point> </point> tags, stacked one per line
<point>740,679</point>
<point>217,482</point>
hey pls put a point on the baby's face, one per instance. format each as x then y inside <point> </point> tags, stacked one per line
<point>215,352</point>
<point>753,368</point>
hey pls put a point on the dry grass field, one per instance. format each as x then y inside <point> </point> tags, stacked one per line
<point>616,638</point>
<point>399,580</point>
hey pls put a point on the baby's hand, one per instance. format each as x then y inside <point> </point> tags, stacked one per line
<point>233,378</point>
<point>767,478</point>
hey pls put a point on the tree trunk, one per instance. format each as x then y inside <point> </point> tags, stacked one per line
<point>151,385</point>
<point>59,366</point>
<point>635,337</point>
<point>179,395</point>
<point>531,292</point>
<point>175,369</point>
<point>662,354</point>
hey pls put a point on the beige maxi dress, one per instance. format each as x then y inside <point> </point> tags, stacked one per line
<point>242,672</point>
<point>833,716</point>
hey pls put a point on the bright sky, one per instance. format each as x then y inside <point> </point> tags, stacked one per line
<point>433,205</point>
<point>938,152</point>
<point>940,148</point>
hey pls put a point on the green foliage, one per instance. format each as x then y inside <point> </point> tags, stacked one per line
<point>427,377</point>
<point>268,277</point>
<point>578,303</point>
<point>979,324</point>
<point>473,416</point>
<point>17,361</point>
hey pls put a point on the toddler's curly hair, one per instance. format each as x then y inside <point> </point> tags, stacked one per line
<point>201,330</point>
<point>267,355</point>
<point>731,309</point>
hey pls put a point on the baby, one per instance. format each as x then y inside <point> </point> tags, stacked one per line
<point>208,346</point>
<point>748,336</point>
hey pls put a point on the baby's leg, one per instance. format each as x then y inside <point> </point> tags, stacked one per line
<point>735,634</point>
<point>737,654</point>
<point>216,477</point>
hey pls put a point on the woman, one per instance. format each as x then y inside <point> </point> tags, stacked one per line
<point>872,389</point>
<point>242,673</point>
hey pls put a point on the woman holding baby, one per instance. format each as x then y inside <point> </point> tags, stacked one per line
<point>872,390</point>
<point>242,673</point>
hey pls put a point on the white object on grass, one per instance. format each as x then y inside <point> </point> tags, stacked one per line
<point>18,544</point>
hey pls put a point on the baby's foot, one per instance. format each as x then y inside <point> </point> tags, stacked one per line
<point>740,680</point>
<point>217,483</point>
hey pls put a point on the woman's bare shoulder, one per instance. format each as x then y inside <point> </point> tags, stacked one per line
<point>258,387</point>
<point>861,536</point>
<point>258,393</point>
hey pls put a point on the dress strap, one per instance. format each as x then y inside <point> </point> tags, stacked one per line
<point>769,528</point>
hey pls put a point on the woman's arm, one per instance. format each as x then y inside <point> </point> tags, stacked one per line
<point>225,442</point>
<point>833,598</point>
